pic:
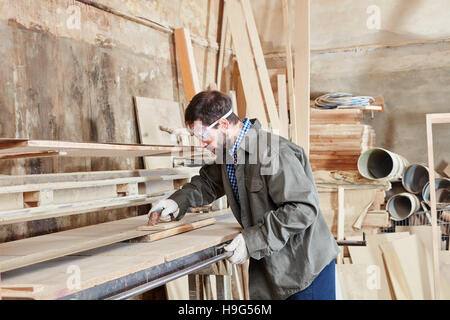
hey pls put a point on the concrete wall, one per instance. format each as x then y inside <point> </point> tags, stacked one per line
<point>344,23</point>
<point>64,78</point>
<point>407,61</point>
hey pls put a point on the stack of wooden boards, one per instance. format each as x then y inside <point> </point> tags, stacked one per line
<point>127,258</point>
<point>33,197</point>
<point>338,138</point>
<point>396,266</point>
<point>350,203</point>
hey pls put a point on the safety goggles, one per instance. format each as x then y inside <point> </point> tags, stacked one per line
<point>202,132</point>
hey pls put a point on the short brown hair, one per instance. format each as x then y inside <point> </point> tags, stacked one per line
<point>209,106</point>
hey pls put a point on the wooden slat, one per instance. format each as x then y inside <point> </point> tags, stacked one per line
<point>179,228</point>
<point>61,210</point>
<point>186,61</point>
<point>261,67</point>
<point>301,115</point>
<point>247,69</point>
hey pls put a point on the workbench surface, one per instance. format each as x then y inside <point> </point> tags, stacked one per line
<point>120,261</point>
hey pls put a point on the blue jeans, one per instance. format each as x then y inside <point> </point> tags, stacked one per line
<point>323,286</point>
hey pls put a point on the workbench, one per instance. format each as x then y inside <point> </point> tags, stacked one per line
<point>120,270</point>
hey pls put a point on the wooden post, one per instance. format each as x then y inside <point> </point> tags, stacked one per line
<point>300,132</point>
<point>430,120</point>
<point>341,221</point>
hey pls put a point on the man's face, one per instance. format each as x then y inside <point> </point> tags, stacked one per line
<point>212,138</point>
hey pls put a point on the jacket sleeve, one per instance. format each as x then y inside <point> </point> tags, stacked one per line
<point>295,195</point>
<point>202,190</point>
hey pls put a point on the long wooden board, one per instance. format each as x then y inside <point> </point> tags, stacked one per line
<point>20,253</point>
<point>21,147</point>
<point>261,67</point>
<point>180,228</point>
<point>186,61</point>
<point>247,68</point>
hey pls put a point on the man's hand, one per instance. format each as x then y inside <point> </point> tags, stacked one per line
<point>167,207</point>
<point>240,254</point>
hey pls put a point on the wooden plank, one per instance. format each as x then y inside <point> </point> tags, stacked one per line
<point>289,61</point>
<point>7,180</point>
<point>372,255</point>
<point>20,253</point>
<point>186,62</point>
<point>60,210</point>
<point>447,170</point>
<point>301,115</point>
<point>408,269</point>
<point>162,225</point>
<point>261,67</point>
<point>282,106</point>
<point>169,116</point>
<point>354,280</point>
<point>78,149</point>
<point>247,69</point>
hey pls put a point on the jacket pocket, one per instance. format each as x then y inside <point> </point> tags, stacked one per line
<point>255,185</point>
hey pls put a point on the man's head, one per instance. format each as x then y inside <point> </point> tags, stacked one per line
<point>210,117</point>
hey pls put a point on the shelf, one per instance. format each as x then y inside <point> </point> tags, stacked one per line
<point>24,148</point>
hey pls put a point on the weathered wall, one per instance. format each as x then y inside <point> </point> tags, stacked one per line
<point>61,80</point>
<point>344,23</point>
<point>407,61</point>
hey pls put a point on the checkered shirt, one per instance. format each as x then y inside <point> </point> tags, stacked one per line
<point>231,168</point>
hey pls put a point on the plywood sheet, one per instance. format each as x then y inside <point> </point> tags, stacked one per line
<point>152,113</point>
<point>355,282</point>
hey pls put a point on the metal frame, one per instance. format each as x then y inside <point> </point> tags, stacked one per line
<point>142,281</point>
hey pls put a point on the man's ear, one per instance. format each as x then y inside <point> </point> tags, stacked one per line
<point>224,124</point>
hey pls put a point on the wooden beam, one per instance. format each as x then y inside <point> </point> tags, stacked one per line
<point>261,67</point>
<point>301,115</point>
<point>186,61</point>
<point>247,69</point>
<point>282,106</point>
<point>430,120</point>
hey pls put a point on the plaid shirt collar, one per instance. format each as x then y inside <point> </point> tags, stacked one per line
<point>244,130</point>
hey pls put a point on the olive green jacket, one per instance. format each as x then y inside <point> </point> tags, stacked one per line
<point>286,235</point>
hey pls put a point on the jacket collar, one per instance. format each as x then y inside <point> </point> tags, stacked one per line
<point>250,141</point>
